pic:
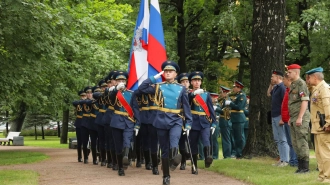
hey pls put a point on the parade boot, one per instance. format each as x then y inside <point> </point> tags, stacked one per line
<point>79,154</point>
<point>208,156</point>
<point>147,159</point>
<point>121,171</point>
<point>183,160</point>
<point>103,156</point>
<point>195,158</point>
<point>304,166</point>
<point>138,158</point>
<point>114,160</point>
<point>125,160</point>
<point>166,171</point>
<point>175,158</point>
<point>154,160</point>
<point>85,155</point>
<point>109,159</point>
<point>94,155</point>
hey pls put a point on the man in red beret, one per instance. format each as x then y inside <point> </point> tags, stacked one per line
<point>299,117</point>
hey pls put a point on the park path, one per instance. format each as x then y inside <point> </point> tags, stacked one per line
<point>62,168</point>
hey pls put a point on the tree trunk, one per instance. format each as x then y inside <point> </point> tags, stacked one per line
<point>58,129</point>
<point>35,132</point>
<point>65,123</point>
<point>7,114</point>
<point>42,132</point>
<point>268,51</point>
<point>181,37</point>
<point>214,40</point>
<point>19,115</point>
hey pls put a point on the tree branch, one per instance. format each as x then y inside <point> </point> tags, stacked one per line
<point>170,4</point>
<point>194,18</point>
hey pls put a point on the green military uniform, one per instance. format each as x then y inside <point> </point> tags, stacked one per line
<point>299,134</point>
<point>225,128</point>
<point>238,120</point>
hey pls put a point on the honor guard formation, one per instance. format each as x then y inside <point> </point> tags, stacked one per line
<point>164,124</point>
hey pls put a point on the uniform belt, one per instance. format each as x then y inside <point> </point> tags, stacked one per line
<point>237,111</point>
<point>78,116</point>
<point>93,115</point>
<point>144,108</point>
<point>222,116</point>
<point>86,115</point>
<point>124,114</point>
<point>101,110</point>
<point>111,108</point>
<point>198,113</point>
<point>174,111</point>
<point>247,118</point>
<point>153,108</point>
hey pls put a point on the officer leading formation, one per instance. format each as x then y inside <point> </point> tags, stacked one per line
<point>166,123</point>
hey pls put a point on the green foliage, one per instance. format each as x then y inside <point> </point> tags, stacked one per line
<point>32,133</point>
<point>48,142</point>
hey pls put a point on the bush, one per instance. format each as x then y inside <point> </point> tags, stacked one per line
<point>32,133</point>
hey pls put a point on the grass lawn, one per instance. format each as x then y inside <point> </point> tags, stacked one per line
<point>14,177</point>
<point>19,157</point>
<point>48,142</point>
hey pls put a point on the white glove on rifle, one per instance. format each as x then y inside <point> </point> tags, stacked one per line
<point>227,102</point>
<point>215,107</point>
<point>158,75</point>
<point>198,91</point>
<point>212,129</point>
<point>185,131</point>
<point>120,86</point>
<point>136,132</point>
<point>111,88</point>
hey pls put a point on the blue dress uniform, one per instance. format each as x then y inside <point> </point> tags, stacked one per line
<point>200,105</point>
<point>246,124</point>
<point>123,121</point>
<point>224,126</point>
<point>170,97</point>
<point>215,144</point>
<point>183,138</point>
<point>77,124</point>
<point>97,95</point>
<point>110,146</point>
<point>238,119</point>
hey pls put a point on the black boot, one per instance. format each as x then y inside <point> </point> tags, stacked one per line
<point>208,156</point>
<point>175,158</point>
<point>154,160</point>
<point>147,159</point>
<point>183,160</point>
<point>94,155</point>
<point>194,170</point>
<point>121,171</point>
<point>125,160</point>
<point>299,166</point>
<point>103,157</point>
<point>85,155</point>
<point>138,158</point>
<point>166,171</point>
<point>109,159</point>
<point>79,154</point>
<point>304,167</point>
<point>114,160</point>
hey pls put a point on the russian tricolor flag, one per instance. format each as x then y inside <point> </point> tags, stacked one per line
<point>148,46</point>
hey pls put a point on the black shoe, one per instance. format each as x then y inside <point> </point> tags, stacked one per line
<point>109,165</point>
<point>195,172</point>
<point>299,166</point>
<point>115,167</point>
<point>125,160</point>
<point>166,180</point>
<point>208,156</point>
<point>121,172</point>
<point>95,162</point>
<point>85,161</point>
<point>175,159</point>
<point>155,171</point>
<point>148,166</point>
<point>80,160</point>
<point>304,167</point>
<point>138,164</point>
<point>183,166</point>
<point>103,163</point>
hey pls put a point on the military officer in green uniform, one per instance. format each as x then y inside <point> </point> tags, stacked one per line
<point>237,117</point>
<point>299,117</point>
<point>225,128</point>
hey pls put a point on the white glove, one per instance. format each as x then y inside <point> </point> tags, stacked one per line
<point>212,129</point>
<point>198,91</point>
<point>214,107</point>
<point>111,88</point>
<point>227,102</point>
<point>187,131</point>
<point>120,86</point>
<point>136,132</point>
<point>158,75</point>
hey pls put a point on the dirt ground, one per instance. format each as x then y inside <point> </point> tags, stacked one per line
<point>62,168</point>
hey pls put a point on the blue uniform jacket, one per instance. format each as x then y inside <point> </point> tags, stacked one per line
<point>143,103</point>
<point>100,103</point>
<point>106,119</point>
<point>200,120</point>
<point>120,118</point>
<point>79,114</point>
<point>170,98</point>
<point>86,112</point>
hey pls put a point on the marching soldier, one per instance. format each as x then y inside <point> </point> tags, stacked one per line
<point>215,144</point>
<point>77,123</point>
<point>183,80</point>
<point>170,97</point>
<point>124,120</point>
<point>225,128</point>
<point>237,117</point>
<point>204,120</point>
